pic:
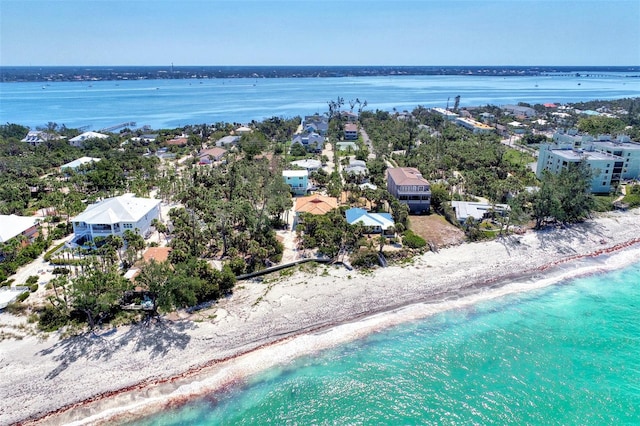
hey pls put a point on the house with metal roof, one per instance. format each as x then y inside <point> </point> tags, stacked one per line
<point>477,210</point>
<point>230,140</point>
<point>308,164</point>
<point>81,138</point>
<point>373,223</point>
<point>73,165</point>
<point>12,226</point>
<point>114,216</point>
<point>37,137</point>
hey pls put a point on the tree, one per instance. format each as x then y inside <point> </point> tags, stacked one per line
<point>544,203</point>
<point>97,292</point>
<point>252,144</point>
<point>156,278</point>
<point>600,125</point>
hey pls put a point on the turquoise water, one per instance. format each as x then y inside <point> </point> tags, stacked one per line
<point>174,103</point>
<point>567,354</point>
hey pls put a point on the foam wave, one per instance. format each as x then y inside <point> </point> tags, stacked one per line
<point>146,398</point>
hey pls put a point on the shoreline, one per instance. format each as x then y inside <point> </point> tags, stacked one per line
<point>302,330</point>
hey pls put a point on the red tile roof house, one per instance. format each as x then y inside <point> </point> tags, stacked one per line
<point>409,187</point>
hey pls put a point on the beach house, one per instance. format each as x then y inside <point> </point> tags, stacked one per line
<point>312,142</point>
<point>75,164</point>
<point>316,124</point>
<point>37,137</point>
<point>350,132</point>
<point>114,216</point>
<point>373,223</point>
<point>298,181</point>
<point>12,226</point>
<point>79,140</point>
<point>315,204</point>
<point>410,188</point>
<point>519,111</point>
<point>477,210</point>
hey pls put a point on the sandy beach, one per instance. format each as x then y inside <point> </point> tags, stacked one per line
<point>118,374</point>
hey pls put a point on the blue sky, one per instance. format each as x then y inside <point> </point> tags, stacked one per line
<point>317,32</point>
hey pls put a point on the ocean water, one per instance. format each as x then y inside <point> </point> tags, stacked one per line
<point>564,354</point>
<point>174,103</point>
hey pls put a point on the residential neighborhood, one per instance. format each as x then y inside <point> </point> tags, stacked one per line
<point>233,199</point>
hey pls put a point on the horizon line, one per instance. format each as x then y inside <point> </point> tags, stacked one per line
<point>325,66</point>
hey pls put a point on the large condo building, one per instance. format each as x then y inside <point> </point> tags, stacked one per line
<point>610,161</point>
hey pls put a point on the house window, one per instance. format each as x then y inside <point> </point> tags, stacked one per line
<point>127,226</point>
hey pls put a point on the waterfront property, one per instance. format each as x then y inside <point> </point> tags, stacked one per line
<point>79,140</point>
<point>473,125</point>
<point>520,111</point>
<point>37,137</point>
<point>373,223</point>
<point>316,124</point>
<point>298,181</point>
<point>410,188</point>
<point>445,113</point>
<point>114,216</point>
<point>477,210</point>
<point>73,165</point>
<point>610,161</point>
<point>12,226</point>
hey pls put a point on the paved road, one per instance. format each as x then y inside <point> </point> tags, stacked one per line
<point>367,141</point>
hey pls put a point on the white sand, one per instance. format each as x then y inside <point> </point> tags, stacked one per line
<point>302,313</point>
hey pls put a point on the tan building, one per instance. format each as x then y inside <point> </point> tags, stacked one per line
<point>409,187</point>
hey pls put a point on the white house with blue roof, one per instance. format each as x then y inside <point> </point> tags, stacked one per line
<point>373,223</point>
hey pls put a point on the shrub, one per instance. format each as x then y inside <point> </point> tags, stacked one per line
<point>33,288</point>
<point>61,271</point>
<point>16,308</point>
<point>50,253</point>
<point>364,259</point>
<point>22,297</point>
<point>412,240</point>
<point>33,279</point>
<point>51,319</point>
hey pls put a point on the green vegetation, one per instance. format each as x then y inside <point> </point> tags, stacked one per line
<point>229,213</point>
<point>632,198</point>
<point>413,241</point>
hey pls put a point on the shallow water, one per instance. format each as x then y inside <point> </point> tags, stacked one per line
<point>174,103</point>
<point>565,354</point>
